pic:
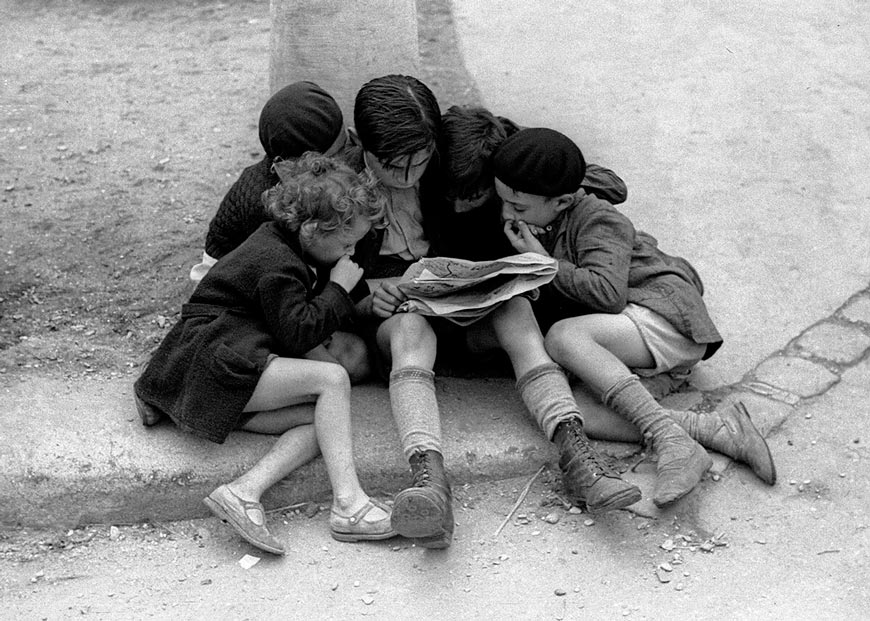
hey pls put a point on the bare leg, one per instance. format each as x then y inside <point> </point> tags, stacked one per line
<point>599,349</point>
<point>288,382</point>
<point>422,512</point>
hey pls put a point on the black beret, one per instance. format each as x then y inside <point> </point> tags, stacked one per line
<point>298,118</point>
<point>540,161</point>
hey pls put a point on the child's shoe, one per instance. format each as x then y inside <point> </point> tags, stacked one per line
<point>246,517</point>
<point>587,476</point>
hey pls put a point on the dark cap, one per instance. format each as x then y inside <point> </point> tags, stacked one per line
<point>540,161</point>
<point>298,118</point>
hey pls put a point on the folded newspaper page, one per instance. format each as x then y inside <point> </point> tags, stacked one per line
<point>464,291</point>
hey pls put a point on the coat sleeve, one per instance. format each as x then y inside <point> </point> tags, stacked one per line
<point>605,184</point>
<point>241,212</point>
<point>594,264</point>
<point>298,320</point>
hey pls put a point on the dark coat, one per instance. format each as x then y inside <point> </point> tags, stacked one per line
<point>260,299</point>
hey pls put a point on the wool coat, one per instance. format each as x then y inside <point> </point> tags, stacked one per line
<point>259,300</point>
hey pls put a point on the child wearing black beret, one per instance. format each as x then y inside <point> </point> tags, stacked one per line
<point>618,308</point>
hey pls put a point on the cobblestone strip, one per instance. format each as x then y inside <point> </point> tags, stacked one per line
<point>808,366</point>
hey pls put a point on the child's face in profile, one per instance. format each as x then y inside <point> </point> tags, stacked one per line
<point>402,172</point>
<point>325,249</point>
<point>529,208</point>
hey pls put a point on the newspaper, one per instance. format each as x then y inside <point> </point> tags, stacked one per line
<point>464,291</point>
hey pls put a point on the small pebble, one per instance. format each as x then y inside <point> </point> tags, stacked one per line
<point>559,592</point>
<point>553,518</point>
<point>589,523</point>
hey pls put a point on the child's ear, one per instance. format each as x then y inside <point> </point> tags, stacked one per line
<point>560,203</point>
<point>308,228</point>
<point>353,137</point>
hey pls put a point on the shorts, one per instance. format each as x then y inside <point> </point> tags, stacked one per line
<point>671,351</point>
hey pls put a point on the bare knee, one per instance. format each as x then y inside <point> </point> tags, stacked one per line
<point>565,337</point>
<point>334,379</point>
<point>409,340</point>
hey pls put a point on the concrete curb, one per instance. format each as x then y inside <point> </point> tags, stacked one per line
<point>79,454</point>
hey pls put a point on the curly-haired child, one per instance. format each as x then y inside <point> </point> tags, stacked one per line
<point>234,359</point>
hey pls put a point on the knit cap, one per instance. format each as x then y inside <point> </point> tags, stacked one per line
<point>298,118</point>
<point>540,161</point>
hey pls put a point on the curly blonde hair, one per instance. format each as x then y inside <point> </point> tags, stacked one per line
<point>320,189</point>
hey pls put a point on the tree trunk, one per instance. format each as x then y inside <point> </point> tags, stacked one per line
<point>341,44</point>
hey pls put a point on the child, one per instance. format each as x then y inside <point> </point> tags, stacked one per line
<point>298,118</point>
<point>397,122</point>
<point>396,125</point>
<point>618,307</point>
<point>234,359</point>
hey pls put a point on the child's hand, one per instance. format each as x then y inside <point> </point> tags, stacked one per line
<point>522,236</point>
<point>346,273</point>
<point>386,299</point>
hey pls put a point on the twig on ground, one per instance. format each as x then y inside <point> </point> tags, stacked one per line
<point>519,500</point>
<point>292,507</point>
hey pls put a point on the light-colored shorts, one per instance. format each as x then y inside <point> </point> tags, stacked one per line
<point>671,350</point>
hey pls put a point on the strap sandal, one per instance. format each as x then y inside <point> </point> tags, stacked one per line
<point>246,517</point>
<point>354,528</point>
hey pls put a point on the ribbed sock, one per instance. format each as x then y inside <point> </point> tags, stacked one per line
<point>415,409</point>
<point>629,398</point>
<point>547,395</point>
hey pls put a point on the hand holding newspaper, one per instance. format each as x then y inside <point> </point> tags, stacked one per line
<point>464,291</point>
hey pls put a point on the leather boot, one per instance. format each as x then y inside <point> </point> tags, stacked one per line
<point>682,462</point>
<point>733,434</point>
<point>586,475</point>
<point>424,511</point>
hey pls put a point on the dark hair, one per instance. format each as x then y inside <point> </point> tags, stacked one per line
<point>396,115</point>
<point>469,136</point>
<point>321,189</point>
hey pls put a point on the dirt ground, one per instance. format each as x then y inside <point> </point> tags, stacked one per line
<point>123,125</point>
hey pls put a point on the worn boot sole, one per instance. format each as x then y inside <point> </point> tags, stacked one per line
<point>614,502</point>
<point>418,514</point>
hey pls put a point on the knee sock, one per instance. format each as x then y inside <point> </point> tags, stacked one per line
<point>547,395</point>
<point>629,398</point>
<point>415,409</point>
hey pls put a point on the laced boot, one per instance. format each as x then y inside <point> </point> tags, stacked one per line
<point>586,474</point>
<point>424,511</point>
<point>733,434</point>
<point>682,462</point>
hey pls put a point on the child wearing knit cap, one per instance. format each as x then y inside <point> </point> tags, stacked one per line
<point>619,307</point>
<point>298,118</point>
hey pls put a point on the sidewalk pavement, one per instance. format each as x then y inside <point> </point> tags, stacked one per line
<point>76,453</point>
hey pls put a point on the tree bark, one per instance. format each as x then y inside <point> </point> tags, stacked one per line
<point>341,44</point>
